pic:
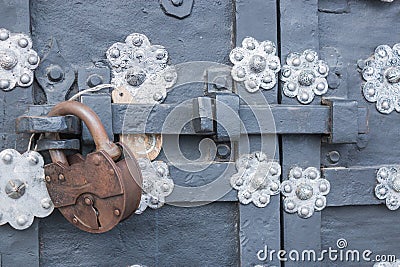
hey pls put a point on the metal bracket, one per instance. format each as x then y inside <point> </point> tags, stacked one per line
<point>17,60</point>
<point>304,191</point>
<point>156,184</point>
<point>304,76</point>
<point>382,75</point>
<point>257,179</point>
<point>55,75</point>
<point>93,76</point>
<point>23,189</point>
<point>177,8</point>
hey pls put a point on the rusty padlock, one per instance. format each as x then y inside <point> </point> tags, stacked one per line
<point>94,193</point>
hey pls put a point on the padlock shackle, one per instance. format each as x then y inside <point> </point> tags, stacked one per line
<point>94,124</point>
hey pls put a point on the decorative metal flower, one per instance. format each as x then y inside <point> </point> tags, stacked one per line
<point>17,60</point>
<point>382,76</point>
<point>304,76</point>
<point>389,186</point>
<point>305,191</point>
<point>141,69</point>
<point>256,64</point>
<point>23,191</point>
<point>156,184</point>
<point>257,179</point>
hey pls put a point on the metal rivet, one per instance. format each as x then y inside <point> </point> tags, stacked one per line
<point>135,78</point>
<point>22,220</point>
<point>382,191</point>
<point>322,69</point>
<point>33,159</point>
<point>273,65</point>
<point>319,203</point>
<point>333,156</point>
<point>239,182</point>
<point>304,191</point>
<point>296,62</point>
<point>310,57</point>
<point>23,42</point>
<point>296,174</point>
<point>4,84</point>
<point>166,187</point>
<point>312,175</point>
<point>383,174</point>
<point>4,35</point>
<point>290,205</point>
<point>117,212</point>
<point>88,201</point>
<point>33,59</point>
<point>247,195</point>
<point>287,188</point>
<point>306,77</point>
<point>258,63</point>
<point>274,186</point>
<point>267,79</point>
<point>304,96</point>
<point>137,41</point>
<point>385,105</point>
<point>25,78</point>
<point>273,171</point>
<point>114,53</point>
<point>48,179</point>
<point>396,184</point>
<point>323,187</point>
<point>61,177</point>
<point>291,86</point>
<point>238,56</point>
<point>320,86</point>
<point>263,199</point>
<point>304,211</point>
<point>46,203</point>
<point>75,220</point>
<point>268,48</point>
<point>157,96</point>
<point>160,54</point>
<point>161,170</point>
<point>252,84</point>
<point>7,158</point>
<point>55,73</point>
<point>142,165</point>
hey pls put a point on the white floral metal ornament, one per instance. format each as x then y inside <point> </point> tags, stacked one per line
<point>304,191</point>
<point>17,60</point>
<point>157,184</point>
<point>141,69</point>
<point>388,187</point>
<point>304,76</point>
<point>255,64</point>
<point>257,179</point>
<point>382,76</point>
<point>23,192</point>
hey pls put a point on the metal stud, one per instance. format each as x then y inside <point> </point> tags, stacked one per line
<point>388,187</point>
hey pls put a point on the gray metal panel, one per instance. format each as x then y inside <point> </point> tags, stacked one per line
<point>299,31</point>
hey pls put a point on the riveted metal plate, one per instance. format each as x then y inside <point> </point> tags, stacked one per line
<point>388,187</point>
<point>255,64</point>
<point>156,184</point>
<point>382,75</point>
<point>17,60</point>
<point>304,76</point>
<point>257,179</point>
<point>23,189</point>
<point>304,191</point>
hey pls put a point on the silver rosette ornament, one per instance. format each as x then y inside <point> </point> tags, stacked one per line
<point>304,76</point>
<point>382,75</point>
<point>157,184</point>
<point>304,192</point>
<point>388,187</point>
<point>17,60</point>
<point>255,64</point>
<point>23,191</point>
<point>257,179</point>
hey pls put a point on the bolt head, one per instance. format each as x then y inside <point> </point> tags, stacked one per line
<point>55,73</point>
<point>94,80</point>
<point>334,157</point>
<point>223,151</point>
<point>4,84</point>
<point>23,42</point>
<point>15,188</point>
<point>25,78</point>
